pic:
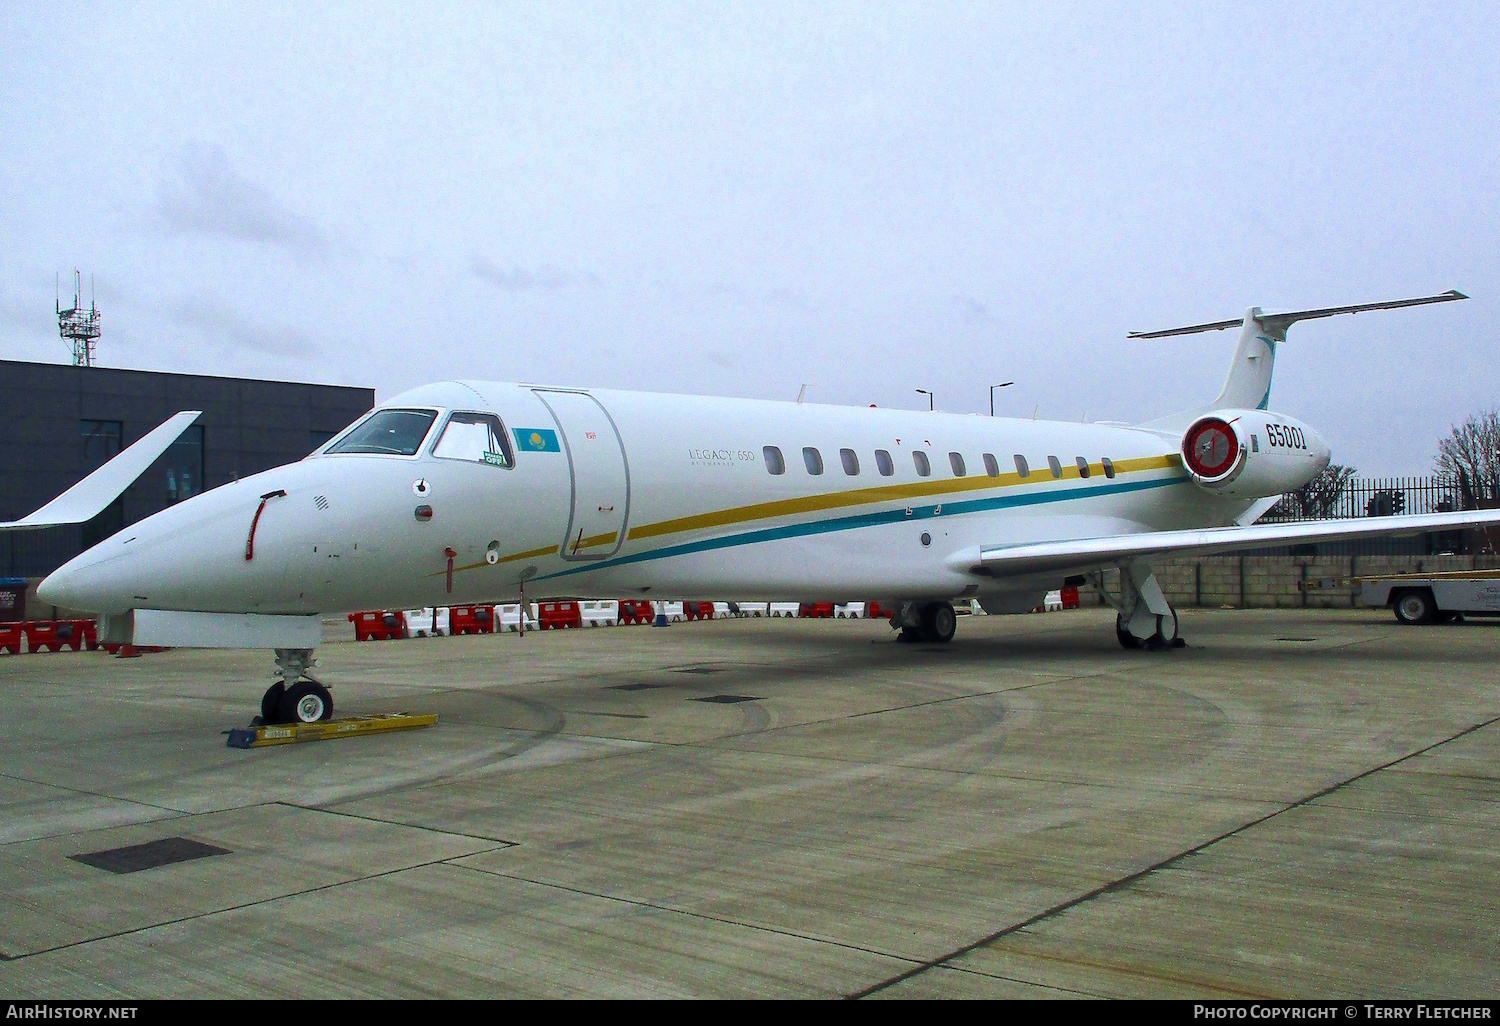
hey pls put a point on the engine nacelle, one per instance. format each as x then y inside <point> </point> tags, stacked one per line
<point>1252,453</point>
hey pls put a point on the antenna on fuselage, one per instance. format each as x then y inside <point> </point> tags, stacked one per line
<point>801,393</point>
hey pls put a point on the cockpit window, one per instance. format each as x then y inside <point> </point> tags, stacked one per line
<point>476,437</point>
<point>388,433</point>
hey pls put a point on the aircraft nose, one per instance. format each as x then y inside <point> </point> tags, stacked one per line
<point>56,588</point>
<point>89,587</point>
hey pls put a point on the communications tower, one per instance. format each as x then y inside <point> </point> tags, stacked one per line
<point>77,325</point>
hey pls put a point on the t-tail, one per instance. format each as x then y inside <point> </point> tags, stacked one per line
<point>1248,386</point>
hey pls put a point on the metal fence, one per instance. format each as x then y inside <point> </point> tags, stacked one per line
<point>1374,497</point>
<point>1382,496</point>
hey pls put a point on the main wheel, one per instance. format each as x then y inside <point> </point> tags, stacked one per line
<point>305,702</point>
<point>939,621</point>
<point>270,702</point>
<point>1127,640</point>
<point>1166,633</point>
<point>1415,606</point>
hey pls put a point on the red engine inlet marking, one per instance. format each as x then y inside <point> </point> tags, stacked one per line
<point>1211,448</point>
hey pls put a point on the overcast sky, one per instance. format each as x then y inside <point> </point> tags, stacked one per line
<point>740,198</point>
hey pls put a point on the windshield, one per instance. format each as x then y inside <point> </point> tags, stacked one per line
<point>389,432</point>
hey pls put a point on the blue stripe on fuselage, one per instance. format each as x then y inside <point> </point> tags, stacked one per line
<point>891,516</point>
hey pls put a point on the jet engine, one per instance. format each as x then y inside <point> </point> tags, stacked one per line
<point>1252,453</point>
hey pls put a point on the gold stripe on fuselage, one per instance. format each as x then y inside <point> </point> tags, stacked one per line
<point>885,493</point>
<point>844,499</point>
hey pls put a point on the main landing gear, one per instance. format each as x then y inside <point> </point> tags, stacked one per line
<point>1143,617</point>
<point>296,697</point>
<point>925,621</point>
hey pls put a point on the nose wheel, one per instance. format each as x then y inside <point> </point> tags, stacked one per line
<point>296,698</point>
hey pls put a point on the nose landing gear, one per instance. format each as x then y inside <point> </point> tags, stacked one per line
<point>297,697</point>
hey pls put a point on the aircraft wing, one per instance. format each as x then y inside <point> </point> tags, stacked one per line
<point>1088,553</point>
<point>88,497</point>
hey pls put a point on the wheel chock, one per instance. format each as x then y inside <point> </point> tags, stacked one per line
<point>352,726</point>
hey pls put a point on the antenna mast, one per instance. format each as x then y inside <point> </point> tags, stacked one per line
<point>80,326</point>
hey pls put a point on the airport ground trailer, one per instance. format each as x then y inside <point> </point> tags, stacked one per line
<point>1433,598</point>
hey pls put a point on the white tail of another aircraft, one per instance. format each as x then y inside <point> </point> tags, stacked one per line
<point>87,499</point>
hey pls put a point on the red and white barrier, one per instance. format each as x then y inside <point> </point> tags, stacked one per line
<point>378,625</point>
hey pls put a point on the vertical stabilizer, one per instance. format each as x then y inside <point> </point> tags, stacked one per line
<point>1248,386</point>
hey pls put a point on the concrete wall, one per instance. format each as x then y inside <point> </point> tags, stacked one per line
<point>1268,582</point>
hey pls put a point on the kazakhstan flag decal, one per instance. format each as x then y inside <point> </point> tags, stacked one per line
<point>537,440</point>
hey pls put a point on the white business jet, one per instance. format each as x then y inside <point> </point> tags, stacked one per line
<point>470,491</point>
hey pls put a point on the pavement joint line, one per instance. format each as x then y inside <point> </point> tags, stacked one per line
<point>175,813</point>
<point>392,822</point>
<point>1138,973</point>
<point>1126,881</point>
<point>1016,979</point>
<point>638,903</point>
<point>239,908</point>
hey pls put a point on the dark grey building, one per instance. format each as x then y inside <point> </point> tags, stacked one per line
<point>58,423</point>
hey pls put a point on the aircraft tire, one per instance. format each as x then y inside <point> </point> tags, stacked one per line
<point>270,702</point>
<point>1166,634</point>
<point>1127,640</point>
<point>305,702</point>
<point>939,622</point>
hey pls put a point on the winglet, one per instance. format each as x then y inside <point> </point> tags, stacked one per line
<point>88,497</point>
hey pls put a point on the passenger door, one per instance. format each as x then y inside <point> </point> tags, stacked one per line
<point>600,474</point>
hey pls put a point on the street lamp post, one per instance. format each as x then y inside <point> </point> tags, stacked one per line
<point>928,394</point>
<point>1002,384</point>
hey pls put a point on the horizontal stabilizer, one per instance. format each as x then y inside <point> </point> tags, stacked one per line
<point>1091,553</point>
<point>1278,323</point>
<point>88,498</point>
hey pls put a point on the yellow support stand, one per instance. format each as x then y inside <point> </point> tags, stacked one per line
<point>354,726</point>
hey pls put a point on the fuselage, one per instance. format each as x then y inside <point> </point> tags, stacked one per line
<point>629,494</point>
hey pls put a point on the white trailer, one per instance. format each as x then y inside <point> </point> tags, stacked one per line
<point>1434,598</point>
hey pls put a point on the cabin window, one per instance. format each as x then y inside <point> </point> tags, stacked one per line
<point>388,433</point>
<point>1108,465</point>
<point>475,437</point>
<point>956,461</point>
<point>850,461</point>
<point>1083,467</point>
<point>1056,465</point>
<point>813,459</point>
<point>991,466</point>
<point>883,463</point>
<point>924,466</point>
<point>774,463</point>
<point>1021,467</point>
